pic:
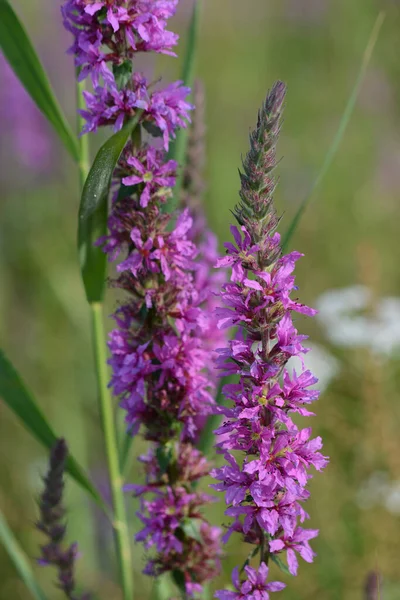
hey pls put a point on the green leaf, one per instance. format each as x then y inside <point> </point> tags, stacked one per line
<point>179,579</point>
<point>250,555</point>
<point>178,146</point>
<point>279,562</point>
<point>191,528</point>
<point>164,456</point>
<point>123,73</point>
<point>21,55</point>
<point>93,211</point>
<point>344,121</point>
<point>19,559</point>
<point>24,406</point>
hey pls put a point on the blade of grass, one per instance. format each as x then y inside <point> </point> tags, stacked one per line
<point>23,59</point>
<point>24,406</point>
<point>348,111</point>
<point>179,145</point>
<point>19,559</point>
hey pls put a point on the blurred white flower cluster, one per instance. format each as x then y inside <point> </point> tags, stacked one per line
<point>378,490</point>
<point>347,320</point>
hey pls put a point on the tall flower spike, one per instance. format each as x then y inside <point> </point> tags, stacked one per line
<point>159,359</point>
<point>51,523</point>
<point>265,485</point>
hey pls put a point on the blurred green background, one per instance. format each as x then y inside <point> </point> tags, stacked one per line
<point>349,236</point>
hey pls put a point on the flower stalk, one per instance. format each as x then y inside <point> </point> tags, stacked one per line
<point>267,457</point>
<point>52,523</point>
<point>107,418</point>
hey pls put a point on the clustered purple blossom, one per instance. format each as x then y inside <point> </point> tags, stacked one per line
<point>160,349</point>
<point>107,37</point>
<point>159,362</point>
<point>51,523</point>
<point>265,489</point>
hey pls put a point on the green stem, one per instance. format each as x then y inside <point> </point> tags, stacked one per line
<point>83,140</point>
<point>121,534</point>
<point>111,447</point>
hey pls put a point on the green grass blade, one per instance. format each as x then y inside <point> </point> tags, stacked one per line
<point>19,559</point>
<point>93,210</point>
<point>179,145</point>
<point>21,55</point>
<point>24,406</point>
<point>348,111</point>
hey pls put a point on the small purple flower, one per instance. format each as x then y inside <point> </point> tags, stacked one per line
<point>170,110</point>
<point>299,543</point>
<point>153,175</point>
<point>255,587</point>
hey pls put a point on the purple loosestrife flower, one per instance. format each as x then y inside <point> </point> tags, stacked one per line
<point>252,588</point>
<point>159,364</point>
<point>107,37</point>
<point>264,489</point>
<point>51,523</point>
<point>158,356</point>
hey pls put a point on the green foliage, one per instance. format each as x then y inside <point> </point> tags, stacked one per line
<point>191,528</point>
<point>122,73</point>
<point>93,211</point>
<point>279,562</point>
<point>19,559</point>
<point>25,62</point>
<point>25,407</point>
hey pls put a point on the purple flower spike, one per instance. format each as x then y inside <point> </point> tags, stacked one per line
<point>164,341</point>
<point>107,37</point>
<point>51,523</point>
<point>265,489</point>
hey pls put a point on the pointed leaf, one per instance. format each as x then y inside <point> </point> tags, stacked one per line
<point>191,528</point>
<point>279,562</point>
<point>93,211</point>
<point>178,146</point>
<point>19,559</point>
<point>344,121</point>
<point>21,55</point>
<point>22,403</point>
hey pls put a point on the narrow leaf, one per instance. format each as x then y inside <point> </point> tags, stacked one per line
<point>24,406</point>
<point>279,562</point>
<point>179,145</point>
<point>19,559</point>
<point>21,55</point>
<point>348,111</point>
<point>191,528</point>
<point>93,211</point>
